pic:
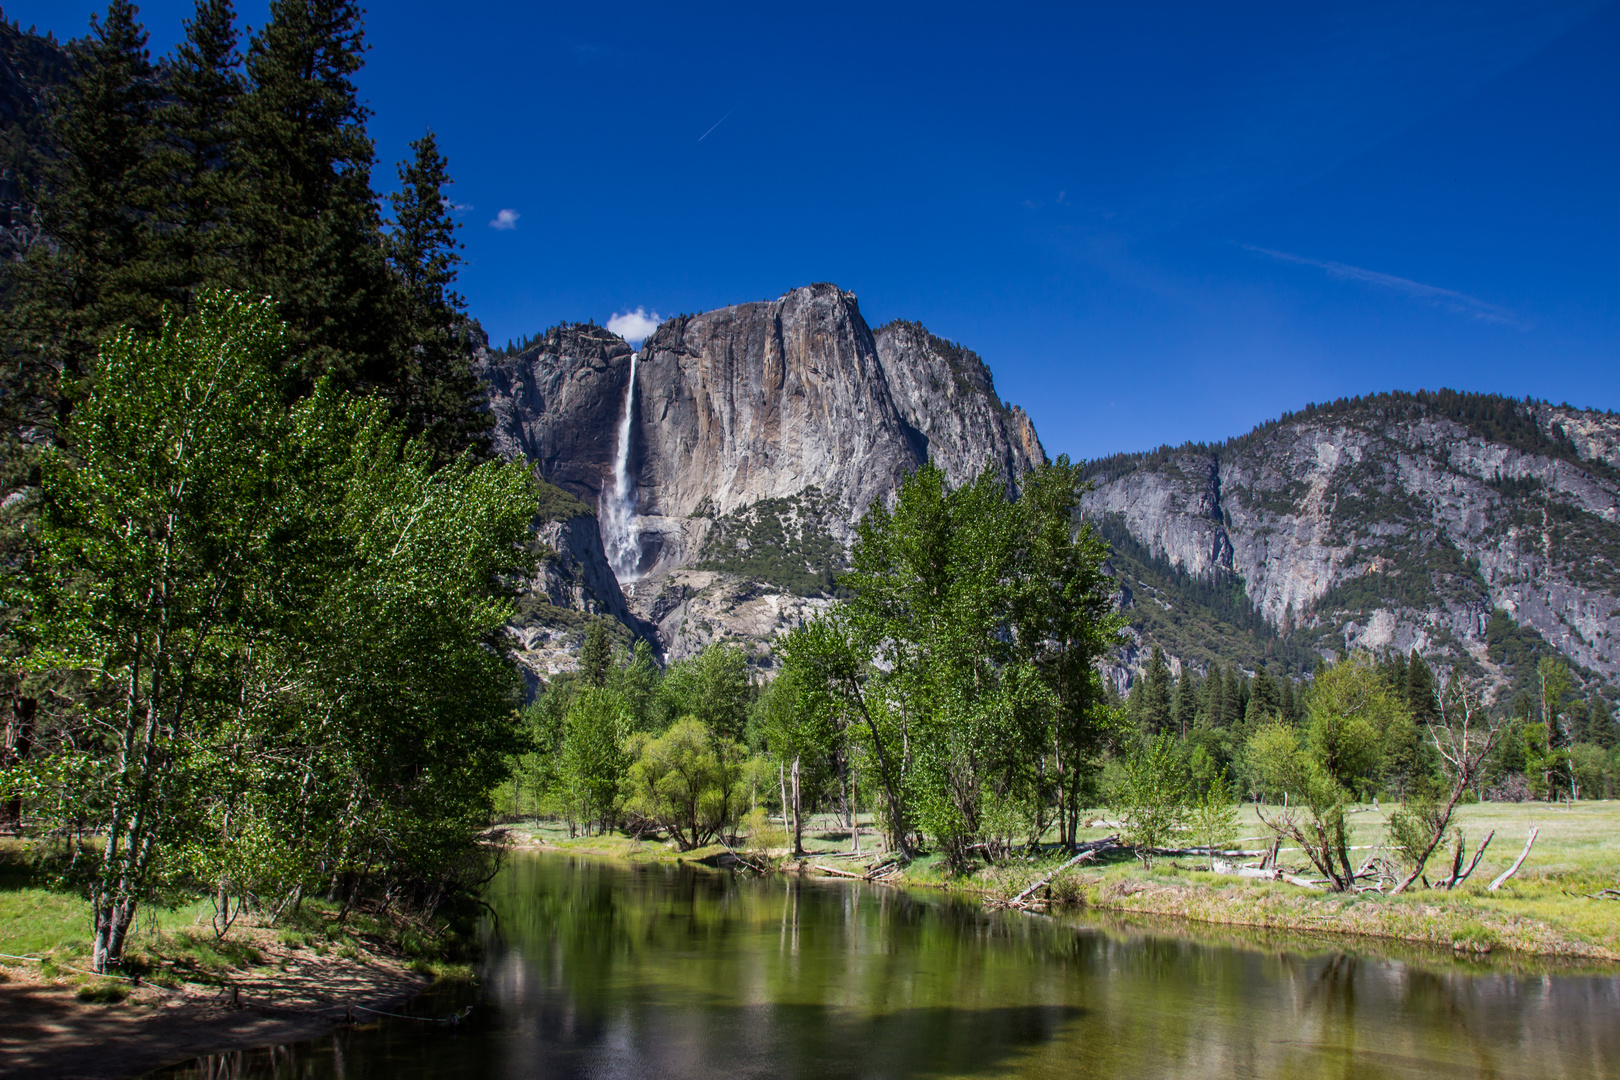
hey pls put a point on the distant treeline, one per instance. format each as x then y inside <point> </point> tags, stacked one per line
<point>1501,419</point>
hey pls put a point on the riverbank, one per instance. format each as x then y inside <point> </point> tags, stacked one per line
<point>185,992</point>
<point>1545,910</point>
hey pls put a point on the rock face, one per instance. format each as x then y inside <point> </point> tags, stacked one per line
<point>1397,521</point>
<point>792,404</point>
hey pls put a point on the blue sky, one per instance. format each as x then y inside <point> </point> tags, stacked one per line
<point>1154,222</point>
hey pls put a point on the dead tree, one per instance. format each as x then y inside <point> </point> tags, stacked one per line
<point>1464,735</point>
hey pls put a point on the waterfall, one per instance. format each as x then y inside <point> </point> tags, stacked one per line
<point>617,510</point>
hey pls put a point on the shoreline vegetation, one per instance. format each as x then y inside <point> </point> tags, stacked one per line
<point>185,992</point>
<point>1546,912</point>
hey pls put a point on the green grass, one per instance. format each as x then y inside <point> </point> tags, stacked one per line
<point>1541,910</point>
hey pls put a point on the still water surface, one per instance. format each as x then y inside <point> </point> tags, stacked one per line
<point>603,971</point>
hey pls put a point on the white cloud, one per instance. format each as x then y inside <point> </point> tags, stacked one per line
<point>506,219</point>
<point>1446,299</point>
<point>634,326</point>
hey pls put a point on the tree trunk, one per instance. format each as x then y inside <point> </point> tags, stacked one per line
<point>798,824</point>
<point>19,742</point>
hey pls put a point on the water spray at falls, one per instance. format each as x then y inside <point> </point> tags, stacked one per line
<point>617,510</point>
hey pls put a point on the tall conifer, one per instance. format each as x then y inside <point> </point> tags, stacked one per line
<point>440,395</point>
<point>96,206</point>
<point>199,158</point>
<point>1186,701</point>
<point>312,228</point>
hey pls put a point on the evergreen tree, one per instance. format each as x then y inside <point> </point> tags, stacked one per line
<point>312,231</point>
<point>1215,698</point>
<point>1264,699</point>
<point>1156,704</point>
<point>1235,698</point>
<point>1186,702</point>
<point>1419,690</point>
<point>198,159</point>
<point>1288,703</point>
<point>596,655</point>
<point>96,206</point>
<point>1600,726</point>
<point>441,394</point>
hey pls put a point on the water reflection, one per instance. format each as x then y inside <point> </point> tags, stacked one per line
<point>601,971</point>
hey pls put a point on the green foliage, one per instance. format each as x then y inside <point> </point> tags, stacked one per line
<point>595,656</point>
<point>214,170</point>
<point>688,781</point>
<point>555,504</point>
<point>286,618</point>
<point>592,759</point>
<point>713,686</point>
<point>1150,796</point>
<point>1350,716</point>
<point>781,542</point>
<point>1275,763</point>
<point>1413,826</point>
<point>1212,817</point>
<point>965,657</point>
<point>438,393</point>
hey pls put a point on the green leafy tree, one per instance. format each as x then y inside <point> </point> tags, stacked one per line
<point>594,759</point>
<point>713,686</point>
<point>1212,817</point>
<point>689,781</point>
<point>802,733</point>
<point>1275,763</point>
<point>1348,713</point>
<point>294,620</point>
<point>1065,622</point>
<point>638,678</point>
<point>151,539</point>
<point>1150,796</point>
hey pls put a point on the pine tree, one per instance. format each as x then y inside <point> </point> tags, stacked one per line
<point>200,160</point>
<point>1186,702</point>
<point>1215,698</point>
<point>96,206</point>
<point>1600,726</point>
<point>596,655</point>
<point>1419,690</point>
<point>312,228</point>
<point>1156,714</point>
<point>441,396</point>
<point>1235,698</point>
<point>1288,704</point>
<point>1264,699</point>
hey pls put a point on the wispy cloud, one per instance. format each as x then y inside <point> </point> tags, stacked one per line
<point>634,326</point>
<point>505,219</point>
<point>1446,299</point>
<point>718,122</point>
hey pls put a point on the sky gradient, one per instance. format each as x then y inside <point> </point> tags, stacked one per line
<point>1155,222</point>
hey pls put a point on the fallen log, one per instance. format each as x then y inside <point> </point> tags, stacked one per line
<point>1091,850</point>
<point>835,870</point>
<point>1514,869</point>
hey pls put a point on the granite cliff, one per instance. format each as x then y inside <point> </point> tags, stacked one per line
<point>1469,527</point>
<point>757,436</point>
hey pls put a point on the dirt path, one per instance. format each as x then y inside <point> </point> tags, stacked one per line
<point>46,1032</point>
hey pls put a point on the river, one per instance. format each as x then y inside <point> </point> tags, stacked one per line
<point>601,971</point>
